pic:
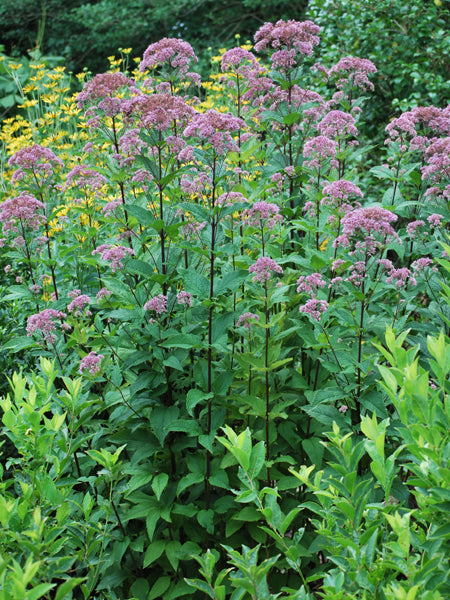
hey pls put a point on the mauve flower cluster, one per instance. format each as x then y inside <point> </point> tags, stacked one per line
<point>103,294</point>
<point>44,322</point>
<point>78,304</point>
<point>36,159</point>
<point>158,111</point>
<point>263,269</point>
<point>262,215</point>
<point>83,177</point>
<point>287,38</point>
<point>399,277</point>
<point>352,72</point>
<point>337,124</point>
<point>362,224</point>
<point>310,283</point>
<point>184,298</point>
<point>412,227</point>
<point>319,149</point>
<point>230,198</point>
<point>240,61</point>
<point>437,168</point>
<point>314,308</point>
<point>157,303</point>
<point>91,363</point>
<point>215,128</point>
<point>113,254</point>
<point>194,183</point>
<point>24,208</point>
<point>172,53</point>
<point>247,319</point>
<point>337,193</point>
<point>101,86</point>
<point>422,263</point>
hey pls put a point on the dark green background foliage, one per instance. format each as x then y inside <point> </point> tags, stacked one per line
<point>408,42</point>
<point>85,33</point>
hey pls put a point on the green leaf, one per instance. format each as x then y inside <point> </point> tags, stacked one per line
<point>153,552</point>
<point>19,343</point>
<point>194,397</point>
<point>158,589</point>
<point>159,484</point>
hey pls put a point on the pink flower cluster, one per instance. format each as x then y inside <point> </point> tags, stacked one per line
<point>184,298</point>
<point>353,72</point>
<point>365,223</point>
<point>247,319</point>
<point>78,304</point>
<point>337,124</point>
<point>320,149</point>
<point>157,303</point>
<point>263,269</point>
<point>91,363</point>
<point>103,294</point>
<point>399,277</point>
<point>240,61</point>
<point>44,323</point>
<point>310,283</point>
<point>113,254</point>
<point>36,159</point>
<point>337,193</point>
<point>101,86</point>
<point>84,177</point>
<point>263,215</point>
<point>287,38</point>
<point>215,128</point>
<point>24,209</point>
<point>158,111</point>
<point>314,308</point>
<point>172,53</point>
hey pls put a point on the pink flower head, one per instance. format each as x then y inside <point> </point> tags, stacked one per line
<point>337,124</point>
<point>44,322</point>
<point>263,269</point>
<point>157,303</point>
<point>287,36</point>
<point>413,226</point>
<point>247,319</point>
<point>401,277</point>
<point>230,198</point>
<point>83,177</point>
<point>91,363</point>
<point>353,72</point>
<point>365,223</point>
<point>35,159</point>
<point>310,283</point>
<point>103,85</point>
<point>314,308</point>
<point>215,128</point>
<point>159,111</point>
<point>23,210</point>
<point>319,149</point>
<point>421,264</point>
<point>113,254</point>
<point>338,193</point>
<point>435,220</point>
<point>102,294</point>
<point>170,53</point>
<point>240,61</point>
<point>78,304</point>
<point>263,215</point>
<point>184,298</point>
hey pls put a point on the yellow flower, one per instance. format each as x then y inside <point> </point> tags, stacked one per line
<point>323,245</point>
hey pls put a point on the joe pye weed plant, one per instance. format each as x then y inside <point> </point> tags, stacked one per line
<point>232,391</point>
